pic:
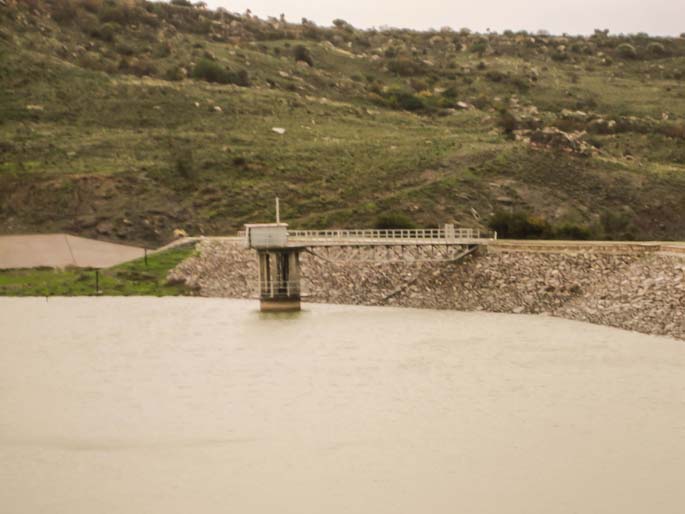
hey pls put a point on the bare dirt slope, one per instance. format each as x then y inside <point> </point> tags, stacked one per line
<point>62,250</point>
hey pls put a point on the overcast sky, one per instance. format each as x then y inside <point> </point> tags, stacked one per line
<point>657,17</point>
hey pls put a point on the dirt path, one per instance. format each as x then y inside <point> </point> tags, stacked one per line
<point>62,250</point>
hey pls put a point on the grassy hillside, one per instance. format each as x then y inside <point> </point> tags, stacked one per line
<point>126,120</point>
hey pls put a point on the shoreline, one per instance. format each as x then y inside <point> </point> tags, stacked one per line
<point>643,291</point>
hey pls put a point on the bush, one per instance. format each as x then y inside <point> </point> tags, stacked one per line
<point>479,47</point>
<point>674,130</point>
<point>405,67</point>
<point>451,93</point>
<point>496,76</point>
<point>394,220</point>
<point>182,160</point>
<point>573,232</point>
<point>141,67</point>
<point>116,12</point>
<point>507,121</point>
<point>64,11</point>
<point>105,32</point>
<point>481,102</point>
<point>418,85</point>
<point>618,225</point>
<point>92,5</point>
<point>88,23</point>
<point>656,49</point>
<point>626,51</point>
<point>240,78</point>
<point>559,56</point>
<point>302,54</point>
<point>519,225</point>
<point>342,25</point>
<point>175,73</point>
<point>211,71</point>
<point>403,100</point>
<point>124,48</point>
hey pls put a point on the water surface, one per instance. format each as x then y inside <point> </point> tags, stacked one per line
<point>180,405</point>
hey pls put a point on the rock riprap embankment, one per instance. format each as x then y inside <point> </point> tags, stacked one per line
<point>642,292</point>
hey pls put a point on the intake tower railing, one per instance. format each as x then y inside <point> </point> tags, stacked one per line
<point>420,235</point>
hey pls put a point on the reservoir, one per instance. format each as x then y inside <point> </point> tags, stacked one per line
<point>195,405</point>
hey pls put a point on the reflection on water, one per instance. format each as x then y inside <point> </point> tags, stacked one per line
<point>204,405</point>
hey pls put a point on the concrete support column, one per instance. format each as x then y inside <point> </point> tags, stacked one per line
<point>279,279</point>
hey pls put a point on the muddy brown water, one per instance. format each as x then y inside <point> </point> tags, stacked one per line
<point>176,405</point>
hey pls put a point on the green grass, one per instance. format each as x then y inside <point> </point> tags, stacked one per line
<point>130,279</point>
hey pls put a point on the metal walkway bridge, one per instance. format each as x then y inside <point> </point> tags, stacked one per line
<point>400,245</point>
<point>278,250</point>
<point>360,237</point>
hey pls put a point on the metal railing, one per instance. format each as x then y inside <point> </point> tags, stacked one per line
<point>278,288</point>
<point>420,234</point>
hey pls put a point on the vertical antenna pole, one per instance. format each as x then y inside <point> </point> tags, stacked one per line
<point>278,211</point>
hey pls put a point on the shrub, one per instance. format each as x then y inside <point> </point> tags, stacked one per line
<point>240,78</point>
<point>656,49</point>
<point>482,102</point>
<point>116,12</point>
<point>573,232</point>
<point>496,76</point>
<point>302,54</point>
<point>403,100</point>
<point>211,71</point>
<point>182,159</point>
<point>175,73</point>
<point>674,130</point>
<point>451,93</point>
<point>479,47</point>
<point>87,22</point>
<point>342,25</point>
<point>559,56</point>
<point>405,67</point>
<point>618,225</point>
<point>626,51</point>
<point>142,67</point>
<point>311,31</point>
<point>418,85</point>
<point>92,5</point>
<point>105,32</point>
<point>507,121</point>
<point>64,11</point>
<point>124,48</point>
<point>519,225</point>
<point>393,220</point>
